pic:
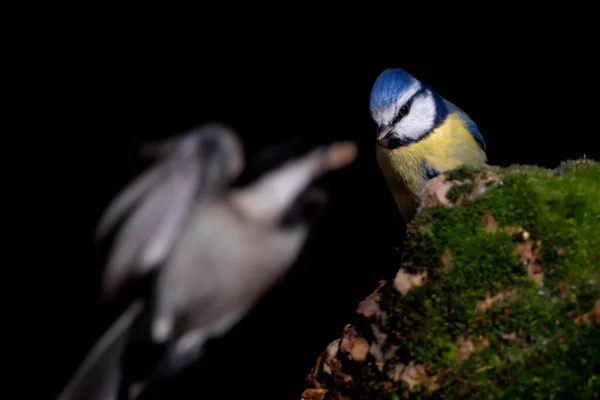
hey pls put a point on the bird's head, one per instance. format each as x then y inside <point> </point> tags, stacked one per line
<point>404,109</point>
<point>285,195</point>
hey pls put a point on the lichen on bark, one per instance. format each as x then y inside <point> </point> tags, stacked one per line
<point>498,296</point>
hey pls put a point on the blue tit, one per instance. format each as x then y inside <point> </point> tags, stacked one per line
<point>419,135</point>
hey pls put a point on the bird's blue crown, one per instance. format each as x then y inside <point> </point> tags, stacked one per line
<point>388,86</point>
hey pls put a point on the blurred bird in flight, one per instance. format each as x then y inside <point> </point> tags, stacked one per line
<point>212,251</point>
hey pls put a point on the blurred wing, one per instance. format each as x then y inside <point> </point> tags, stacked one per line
<point>193,168</point>
<point>470,123</point>
<point>127,198</point>
<point>148,234</point>
<point>99,375</point>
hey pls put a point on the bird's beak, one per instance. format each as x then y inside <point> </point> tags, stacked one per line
<point>383,132</point>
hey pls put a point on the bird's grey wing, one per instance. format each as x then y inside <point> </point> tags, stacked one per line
<point>126,199</point>
<point>163,151</point>
<point>470,123</point>
<point>99,375</point>
<point>193,170</point>
<point>148,233</point>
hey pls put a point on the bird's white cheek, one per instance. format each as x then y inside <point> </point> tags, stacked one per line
<point>418,122</point>
<point>409,128</point>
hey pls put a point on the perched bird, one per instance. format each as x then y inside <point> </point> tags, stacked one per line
<point>419,135</point>
<point>214,249</point>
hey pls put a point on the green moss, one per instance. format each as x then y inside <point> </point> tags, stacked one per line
<point>456,191</point>
<point>463,172</point>
<point>552,356</point>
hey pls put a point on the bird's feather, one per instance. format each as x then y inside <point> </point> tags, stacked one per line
<point>127,198</point>
<point>468,121</point>
<point>406,168</point>
<point>191,169</point>
<point>99,375</point>
<point>148,234</point>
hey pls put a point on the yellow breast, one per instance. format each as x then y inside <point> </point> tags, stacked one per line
<point>446,147</point>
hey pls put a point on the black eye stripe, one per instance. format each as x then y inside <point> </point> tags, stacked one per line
<point>404,110</point>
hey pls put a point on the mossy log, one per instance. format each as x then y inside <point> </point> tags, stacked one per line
<point>498,295</point>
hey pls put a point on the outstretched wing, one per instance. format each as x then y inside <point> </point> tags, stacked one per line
<point>99,375</point>
<point>470,123</point>
<point>191,170</point>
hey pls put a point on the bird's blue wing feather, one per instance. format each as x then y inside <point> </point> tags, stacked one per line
<point>470,123</point>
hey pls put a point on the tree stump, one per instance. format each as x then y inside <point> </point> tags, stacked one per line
<point>498,295</point>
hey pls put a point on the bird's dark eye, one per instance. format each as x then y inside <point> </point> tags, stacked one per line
<point>404,110</point>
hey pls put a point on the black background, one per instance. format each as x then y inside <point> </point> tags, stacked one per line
<point>534,104</point>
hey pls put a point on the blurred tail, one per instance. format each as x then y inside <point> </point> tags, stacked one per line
<point>99,376</point>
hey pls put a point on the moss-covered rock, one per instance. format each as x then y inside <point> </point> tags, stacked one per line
<point>498,295</point>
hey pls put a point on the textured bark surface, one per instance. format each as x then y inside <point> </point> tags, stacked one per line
<point>498,295</point>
